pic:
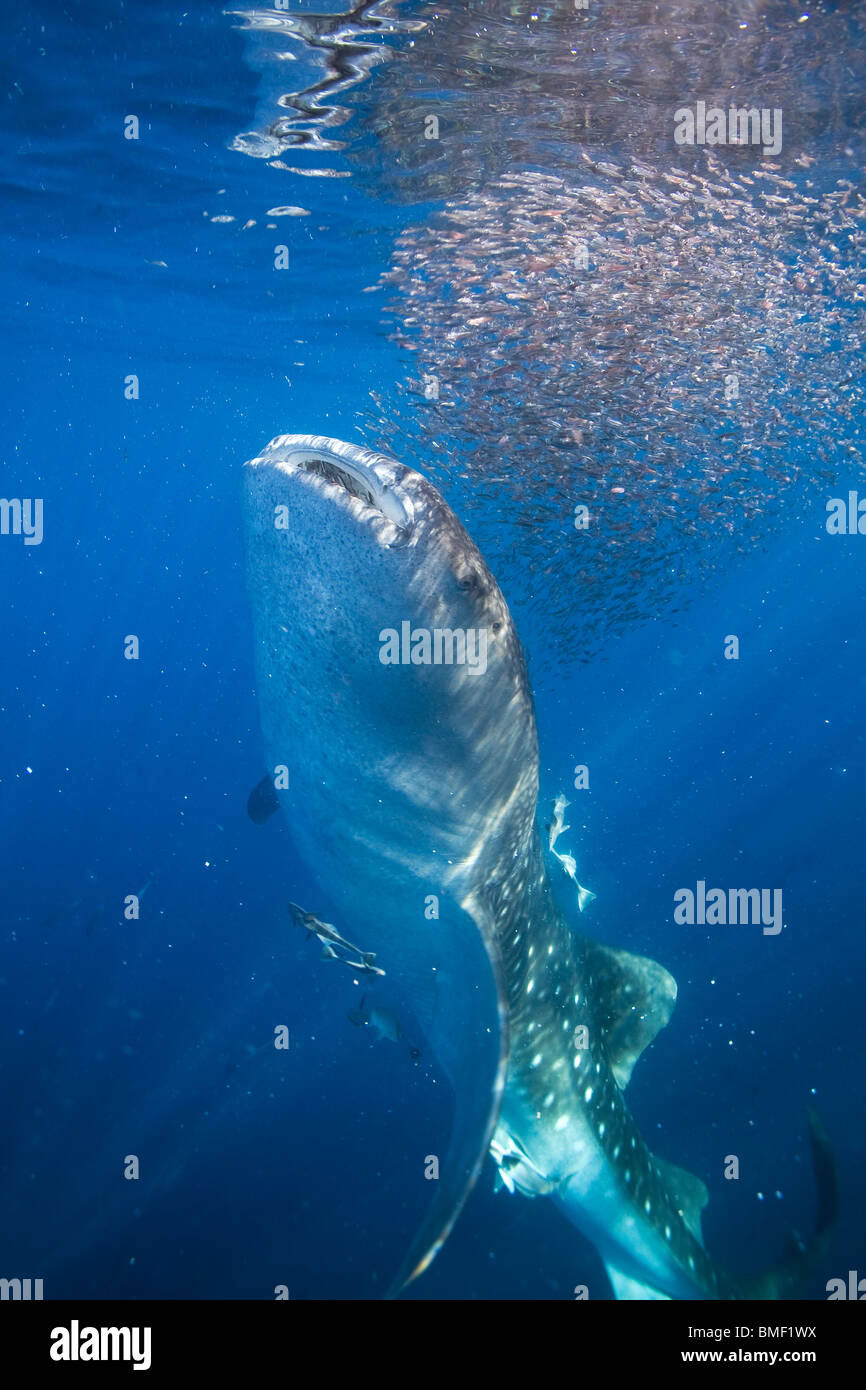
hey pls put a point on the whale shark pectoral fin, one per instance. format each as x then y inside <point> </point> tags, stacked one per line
<point>263,801</point>
<point>468,1033</point>
<point>627,1288</point>
<point>638,996</point>
<point>688,1192</point>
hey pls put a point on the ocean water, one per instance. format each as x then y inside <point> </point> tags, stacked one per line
<point>600,384</point>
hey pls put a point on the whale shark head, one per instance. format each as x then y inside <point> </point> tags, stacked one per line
<point>385,644</point>
<point>392,686</point>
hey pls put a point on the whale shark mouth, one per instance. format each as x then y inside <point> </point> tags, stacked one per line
<point>358,481</point>
<point>342,478</point>
<point>373,479</point>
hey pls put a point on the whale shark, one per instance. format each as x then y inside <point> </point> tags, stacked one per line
<point>414,807</point>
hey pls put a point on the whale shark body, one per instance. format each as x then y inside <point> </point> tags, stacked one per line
<point>415,785</point>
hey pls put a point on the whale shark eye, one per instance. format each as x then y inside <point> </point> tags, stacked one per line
<point>470,581</point>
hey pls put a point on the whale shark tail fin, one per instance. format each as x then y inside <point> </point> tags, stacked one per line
<point>787,1278</point>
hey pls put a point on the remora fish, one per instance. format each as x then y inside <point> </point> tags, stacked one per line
<point>333,942</point>
<point>556,828</point>
<point>416,784</point>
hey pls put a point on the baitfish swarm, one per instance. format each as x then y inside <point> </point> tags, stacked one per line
<point>625,362</point>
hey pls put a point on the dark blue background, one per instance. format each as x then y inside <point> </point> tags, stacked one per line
<point>303,1167</point>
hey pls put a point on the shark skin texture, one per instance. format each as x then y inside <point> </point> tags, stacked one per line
<point>415,781</point>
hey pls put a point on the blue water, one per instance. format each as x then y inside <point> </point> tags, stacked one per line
<point>153,1037</point>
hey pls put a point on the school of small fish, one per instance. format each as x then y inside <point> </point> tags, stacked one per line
<point>628,361</point>
<point>633,372</point>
